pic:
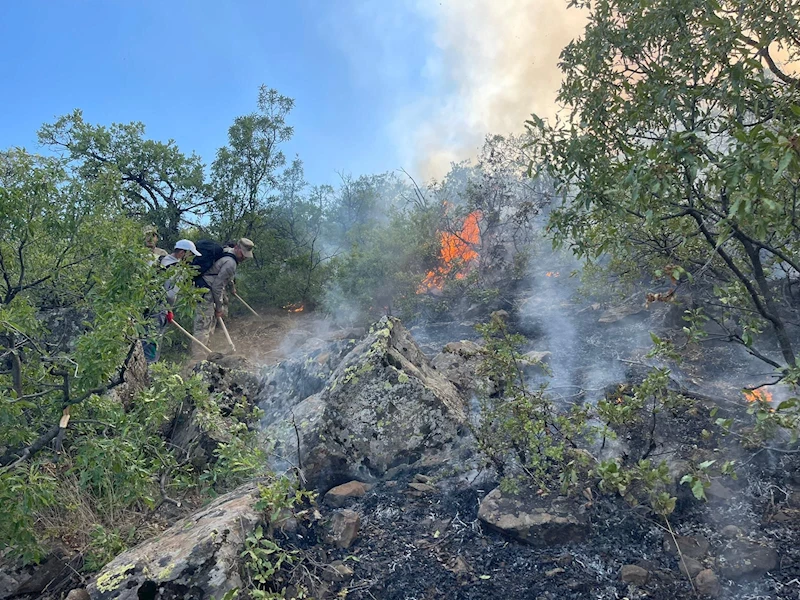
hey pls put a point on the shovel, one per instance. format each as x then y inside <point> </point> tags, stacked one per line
<point>225,331</point>
<point>250,308</point>
<point>190,336</point>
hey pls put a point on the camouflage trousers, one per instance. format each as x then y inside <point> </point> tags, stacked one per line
<point>205,321</point>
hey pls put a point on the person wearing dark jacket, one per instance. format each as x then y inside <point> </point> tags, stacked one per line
<point>216,279</point>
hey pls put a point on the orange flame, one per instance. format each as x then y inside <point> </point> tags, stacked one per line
<point>458,250</point>
<point>758,396</point>
<point>294,308</point>
<point>553,274</point>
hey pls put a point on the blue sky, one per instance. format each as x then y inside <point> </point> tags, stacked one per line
<point>187,68</point>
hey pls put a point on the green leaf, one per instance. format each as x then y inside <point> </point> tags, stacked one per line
<point>705,464</point>
<point>699,490</point>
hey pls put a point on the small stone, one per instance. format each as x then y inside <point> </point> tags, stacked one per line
<point>565,560</point>
<point>537,521</point>
<point>731,532</point>
<point>341,494</point>
<point>633,574</point>
<point>78,594</point>
<point>718,492</point>
<point>422,487</point>
<point>420,478</point>
<point>344,528</point>
<point>707,583</point>
<point>690,566</point>
<point>337,571</point>
<point>693,547</point>
<point>787,515</point>
<point>458,566</point>
<point>554,572</point>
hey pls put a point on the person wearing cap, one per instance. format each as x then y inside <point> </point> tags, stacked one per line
<point>184,250</point>
<point>217,278</point>
<point>151,242</point>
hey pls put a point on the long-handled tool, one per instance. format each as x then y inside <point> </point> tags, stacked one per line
<point>225,331</point>
<point>250,308</point>
<point>190,336</point>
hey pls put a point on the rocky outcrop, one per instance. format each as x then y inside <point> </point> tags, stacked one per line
<point>536,521</point>
<point>382,409</point>
<point>233,381</point>
<point>196,558</point>
<point>55,572</point>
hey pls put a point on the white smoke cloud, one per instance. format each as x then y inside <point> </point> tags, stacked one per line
<point>496,63</point>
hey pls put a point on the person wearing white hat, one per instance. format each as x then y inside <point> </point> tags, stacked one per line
<point>184,249</point>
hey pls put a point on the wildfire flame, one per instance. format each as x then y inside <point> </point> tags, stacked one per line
<point>553,274</point>
<point>758,396</point>
<point>294,308</point>
<point>458,251</point>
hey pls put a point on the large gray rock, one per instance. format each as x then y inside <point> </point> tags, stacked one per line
<point>383,409</point>
<point>536,521</point>
<point>195,558</point>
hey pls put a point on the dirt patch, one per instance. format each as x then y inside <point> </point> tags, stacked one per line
<point>277,335</point>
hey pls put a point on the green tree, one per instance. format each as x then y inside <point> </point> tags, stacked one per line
<point>678,153</point>
<point>246,171</point>
<point>160,184</point>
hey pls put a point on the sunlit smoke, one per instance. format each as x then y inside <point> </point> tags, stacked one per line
<point>498,63</point>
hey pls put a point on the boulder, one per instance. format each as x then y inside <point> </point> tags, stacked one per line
<point>195,558</point>
<point>383,409</point>
<point>707,583</point>
<point>743,559</point>
<point>634,575</point>
<point>536,521</point>
<point>344,528</point>
<point>341,494</point>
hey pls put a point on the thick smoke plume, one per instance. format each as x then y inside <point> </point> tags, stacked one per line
<point>500,60</point>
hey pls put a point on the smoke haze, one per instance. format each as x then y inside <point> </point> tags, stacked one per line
<point>499,63</point>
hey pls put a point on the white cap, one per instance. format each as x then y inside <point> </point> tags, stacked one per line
<point>187,245</point>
